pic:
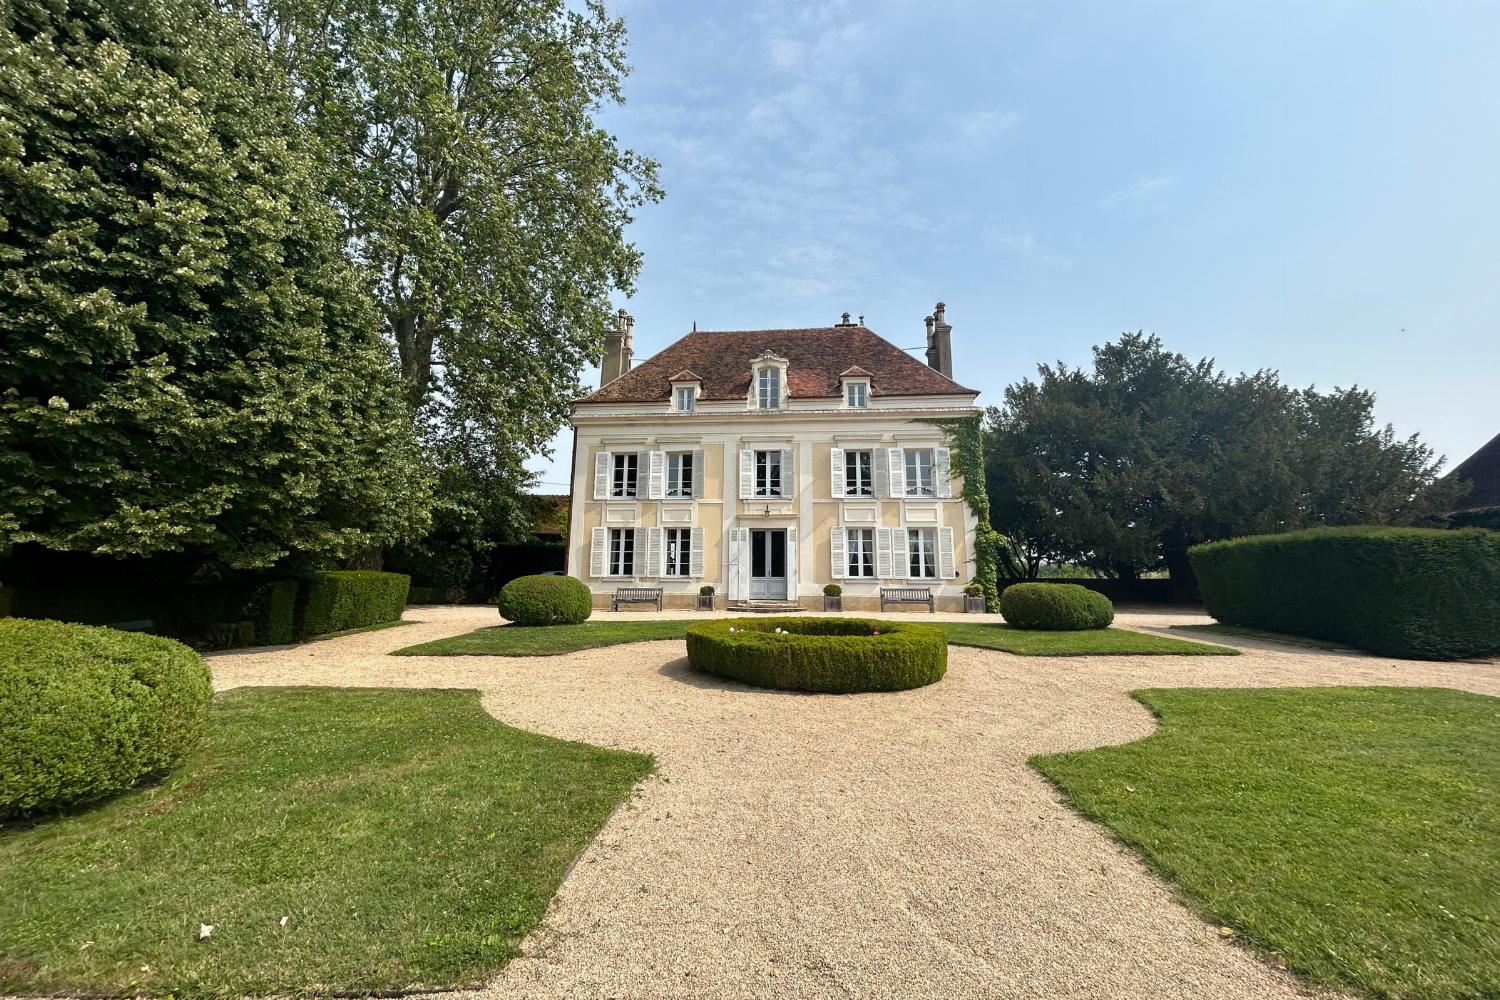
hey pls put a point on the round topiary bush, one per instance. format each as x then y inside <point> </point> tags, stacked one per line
<point>833,655</point>
<point>545,600</point>
<point>88,711</point>
<point>1056,607</point>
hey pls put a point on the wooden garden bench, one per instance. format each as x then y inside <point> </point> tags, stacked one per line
<point>906,595</point>
<point>636,595</point>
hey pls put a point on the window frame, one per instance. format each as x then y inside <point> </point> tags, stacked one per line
<point>684,394</point>
<point>921,551</point>
<point>852,487</point>
<point>863,388</point>
<point>679,459</point>
<point>768,387</point>
<point>859,553</point>
<point>911,461</point>
<point>682,564</point>
<point>621,555</point>
<point>623,463</point>
<point>763,467</point>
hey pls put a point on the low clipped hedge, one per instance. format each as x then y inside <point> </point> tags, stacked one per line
<point>1055,607</point>
<point>335,600</point>
<point>1416,593</point>
<point>545,600</point>
<point>831,655</point>
<point>86,711</point>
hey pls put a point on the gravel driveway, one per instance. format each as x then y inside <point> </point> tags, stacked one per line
<point>880,845</point>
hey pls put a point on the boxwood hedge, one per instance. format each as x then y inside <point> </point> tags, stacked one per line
<point>1055,607</point>
<point>833,655</point>
<point>88,711</point>
<point>1417,593</point>
<point>545,600</point>
<point>334,600</point>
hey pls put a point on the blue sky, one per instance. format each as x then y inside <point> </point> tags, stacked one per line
<point>1313,188</point>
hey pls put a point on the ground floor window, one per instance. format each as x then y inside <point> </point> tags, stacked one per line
<point>861,543</point>
<point>679,551</point>
<point>622,552</point>
<point>921,545</point>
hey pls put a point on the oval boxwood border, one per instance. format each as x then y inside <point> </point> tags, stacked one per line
<point>828,655</point>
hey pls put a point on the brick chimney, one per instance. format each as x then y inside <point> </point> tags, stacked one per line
<point>940,341</point>
<point>617,349</point>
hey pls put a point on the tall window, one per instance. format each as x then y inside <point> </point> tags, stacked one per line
<point>919,472</point>
<point>679,551</point>
<point>855,395</point>
<point>622,552</point>
<point>768,388</point>
<point>768,473</point>
<point>684,396</point>
<point>858,481</point>
<point>921,544</point>
<point>626,465</point>
<point>680,474</point>
<point>861,542</point>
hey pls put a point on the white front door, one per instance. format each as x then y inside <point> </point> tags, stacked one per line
<point>768,564</point>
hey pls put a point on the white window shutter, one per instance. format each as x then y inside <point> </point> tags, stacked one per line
<point>838,552</point>
<point>601,475</point>
<point>744,573</point>
<point>788,472</point>
<point>695,559</point>
<point>836,472</point>
<point>732,584</point>
<point>941,472</point>
<point>896,469</point>
<point>648,563</point>
<point>598,546</point>
<point>882,481</point>
<point>903,552</point>
<point>791,563</point>
<point>747,474</point>
<point>945,553</point>
<point>656,475</point>
<point>697,480</point>
<point>883,553</point>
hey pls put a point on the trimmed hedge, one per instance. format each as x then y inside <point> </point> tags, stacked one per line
<point>1055,607</point>
<point>1417,593</point>
<point>334,600</point>
<point>86,712</point>
<point>831,655</point>
<point>545,600</point>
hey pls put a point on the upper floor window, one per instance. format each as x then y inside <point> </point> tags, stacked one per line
<point>856,395</point>
<point>680,474</point>
<point>626,468</point>
<point>683,398</point>
<point>858,478</point>
<point>768,473</point>
<point>919,481</point>
<point>768,388</point>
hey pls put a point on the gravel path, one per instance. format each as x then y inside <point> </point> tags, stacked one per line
<point>884,845</point>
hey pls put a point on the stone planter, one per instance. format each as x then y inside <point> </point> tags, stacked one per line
<point>705,602</point>
<point>831,603</point>
<point>974,605</point>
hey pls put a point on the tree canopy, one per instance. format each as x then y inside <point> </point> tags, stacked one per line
<point>190,362</point>
<point>1123,467</point>
<point>485,202</point>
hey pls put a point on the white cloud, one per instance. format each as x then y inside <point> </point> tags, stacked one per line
<point>1143,188</point>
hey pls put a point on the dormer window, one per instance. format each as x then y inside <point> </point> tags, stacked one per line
<point>686,388</point>
<point>768,388</point>
<point>683,401</point>
<point>856,395</point>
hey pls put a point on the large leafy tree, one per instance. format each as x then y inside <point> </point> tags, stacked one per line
<point>190,362</point>
<point>482,197</point>
<point>1125,466</point>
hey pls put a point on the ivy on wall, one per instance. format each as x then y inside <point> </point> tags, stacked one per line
<point>966,444</point>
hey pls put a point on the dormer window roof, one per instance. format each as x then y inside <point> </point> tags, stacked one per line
<point>768,384</point>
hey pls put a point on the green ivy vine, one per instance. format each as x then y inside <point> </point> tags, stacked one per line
<point>966,446</point>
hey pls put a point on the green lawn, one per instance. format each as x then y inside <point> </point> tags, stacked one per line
<point>409,839</point>
<point>515,640</point>
<point>1096,642</point>
<point>1353,831</point>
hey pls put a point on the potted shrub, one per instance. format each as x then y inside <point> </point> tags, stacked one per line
<point>833,597</point>
<point>706,597</point>
<point>974,598</point>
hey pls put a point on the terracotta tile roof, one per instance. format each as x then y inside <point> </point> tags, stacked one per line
<point>816,358</point>
<point>1483,470</point>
